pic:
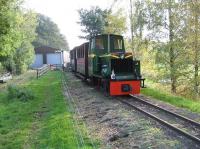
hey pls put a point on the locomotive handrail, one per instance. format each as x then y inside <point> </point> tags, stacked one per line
<point>142,83</point>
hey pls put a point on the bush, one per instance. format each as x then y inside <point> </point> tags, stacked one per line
<point>21,93</point>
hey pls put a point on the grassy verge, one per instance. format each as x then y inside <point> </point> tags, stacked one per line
<point>193,106</point>
<point>21,79</point>
<point>43,122</point>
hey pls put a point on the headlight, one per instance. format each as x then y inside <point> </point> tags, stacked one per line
<point>113,75</point>
<point>122,56</point>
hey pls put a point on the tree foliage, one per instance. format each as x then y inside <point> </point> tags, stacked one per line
<point>167,24</point>
<point>92,20</point>
<point>138,21</point>
<point>10,21</point>
<point>17,32</point>
<point>48,34</point>
<point>24,55</point>
<point>191,40</point>
<point>115,22</point>
<point>175,24</point>
<point>97,21</point>
<point>165,35</point>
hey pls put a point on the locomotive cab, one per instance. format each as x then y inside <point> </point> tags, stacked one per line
<point>100,52</point>
<point>108,52</point>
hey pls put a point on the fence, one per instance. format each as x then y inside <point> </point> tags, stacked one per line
<point>42,70</point>
<point>56,67</point>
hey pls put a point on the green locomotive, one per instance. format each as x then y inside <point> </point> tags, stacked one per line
<point>106,64</point>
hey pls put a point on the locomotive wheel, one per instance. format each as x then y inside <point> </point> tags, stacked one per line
<point>93,81</point>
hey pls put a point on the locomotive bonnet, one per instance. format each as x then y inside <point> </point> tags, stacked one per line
<point>104,61</point>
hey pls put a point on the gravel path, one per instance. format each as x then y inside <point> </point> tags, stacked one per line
<point>116,125</point>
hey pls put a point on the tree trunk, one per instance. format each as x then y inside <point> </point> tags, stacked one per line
<point>196,74</point>
<point>196,56</point>
<point>172,71</point>
<point>131,22</point>
<point>171,50</point>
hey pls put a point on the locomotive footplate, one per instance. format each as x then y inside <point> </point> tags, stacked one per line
<point>124,87</point>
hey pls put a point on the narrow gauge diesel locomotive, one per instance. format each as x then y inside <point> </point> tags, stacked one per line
<point>104,61</point>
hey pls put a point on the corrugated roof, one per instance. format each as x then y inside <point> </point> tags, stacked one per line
<point>46,49</point>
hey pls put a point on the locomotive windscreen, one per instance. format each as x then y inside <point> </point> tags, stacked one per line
<point>122,65</point>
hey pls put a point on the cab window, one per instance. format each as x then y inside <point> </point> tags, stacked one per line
<point>99,43</point>
<point>117,44</point>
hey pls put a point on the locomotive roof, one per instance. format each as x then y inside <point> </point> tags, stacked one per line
<point>46,49</point>
<point>96,36</point>
<point>107,35</point>
<point>79,45</point>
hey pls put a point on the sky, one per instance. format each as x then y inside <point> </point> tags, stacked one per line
<point>64,14</point>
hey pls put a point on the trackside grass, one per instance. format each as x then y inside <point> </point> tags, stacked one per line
<point>43,122</point>
<point>193,106</point>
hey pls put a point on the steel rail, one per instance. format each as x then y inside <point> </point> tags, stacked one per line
<point>77,111</point>
<point>167,111</point>
<point>193,138</point>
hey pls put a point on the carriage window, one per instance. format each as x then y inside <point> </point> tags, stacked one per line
<point>99,43</point>
<point>117,43</point>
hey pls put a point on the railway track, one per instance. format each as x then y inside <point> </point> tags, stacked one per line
<point>178,123</point>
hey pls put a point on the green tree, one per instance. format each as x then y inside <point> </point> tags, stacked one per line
<point>10,20</point>
<point>192,39</point>
<point>115,22</point>
<point>93,21</point>
<point>17,31</point>
<point>165,23</point>
<point>138,22</point>
<point>171,52</point>
<point>24,55</point>
<point>97,21</point>
<point>48,34</point>
<point>12,32</point>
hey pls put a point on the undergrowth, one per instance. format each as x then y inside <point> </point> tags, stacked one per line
<point>189,104</point>
<point>18,92</point>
